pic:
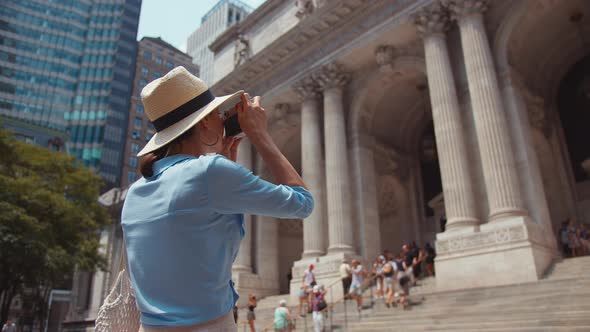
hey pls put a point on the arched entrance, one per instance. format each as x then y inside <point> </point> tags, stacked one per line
<point>543,46</point>
<point>394,112</point>
<point>573,103</point>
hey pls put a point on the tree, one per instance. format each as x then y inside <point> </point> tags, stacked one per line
<point>49,221</point>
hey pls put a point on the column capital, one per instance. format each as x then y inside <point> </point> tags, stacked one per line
<point>432,19</point>
<point>307,88</point>
<point>463,8</point>
<point>332,75</point>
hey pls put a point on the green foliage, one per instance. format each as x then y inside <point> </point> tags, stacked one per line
<point>49,217</point>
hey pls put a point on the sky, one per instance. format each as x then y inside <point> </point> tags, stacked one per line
<point>175,20</point>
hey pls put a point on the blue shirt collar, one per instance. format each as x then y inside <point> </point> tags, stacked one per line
<point>167,162</point>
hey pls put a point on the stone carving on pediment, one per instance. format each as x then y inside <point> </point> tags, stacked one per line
<point>479,240</point>
<point>304,8</point>
<point>462,8</point>
<point>432,19</point>
<point>332,75</point>
<point>241,50</point>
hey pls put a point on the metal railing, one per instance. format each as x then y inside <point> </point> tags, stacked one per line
<point>367,285</point>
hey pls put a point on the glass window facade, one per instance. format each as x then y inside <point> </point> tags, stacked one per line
<point>134,148</point>
<point>65,65</point>
<point>131,176</point>
<point>133,162</point>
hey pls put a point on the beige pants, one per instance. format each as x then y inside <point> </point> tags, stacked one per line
<point>222,324</point>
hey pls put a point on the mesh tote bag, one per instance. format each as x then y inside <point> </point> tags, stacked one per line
<point>119,312</point>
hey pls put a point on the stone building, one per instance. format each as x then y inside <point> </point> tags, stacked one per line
<point>155,58</point>
<point>223,15</point>
<point>457,122</point>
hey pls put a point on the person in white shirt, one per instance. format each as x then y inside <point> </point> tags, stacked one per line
<point>345,275</point>
<point>356,287</point>
<point>389,279</point>
<point>308,283</point>
<point>9,326</point>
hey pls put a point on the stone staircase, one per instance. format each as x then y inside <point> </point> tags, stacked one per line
<point>559,302</point>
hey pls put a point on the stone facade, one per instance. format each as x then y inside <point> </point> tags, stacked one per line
<point>365,80</point>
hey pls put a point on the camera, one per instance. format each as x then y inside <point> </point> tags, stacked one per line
<point>230,121</point>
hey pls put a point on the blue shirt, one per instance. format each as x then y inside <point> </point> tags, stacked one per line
<point>183,228</point>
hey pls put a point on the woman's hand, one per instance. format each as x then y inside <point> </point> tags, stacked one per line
<point>230,148</point>
<point>252,117</point>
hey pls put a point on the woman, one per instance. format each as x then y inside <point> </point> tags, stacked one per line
<point>318,304</point>
<point>378,273</point>
<point>251,316</point>
<point>389,277</point>
<point>308,284</point>
<point>303,299</point>
<point>574,240</point>
<point>356,287</point>
<point>584,236</point>
<point>282,317</point>
<point>183,221</point>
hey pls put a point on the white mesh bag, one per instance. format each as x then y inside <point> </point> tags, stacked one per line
<point>119,312</point>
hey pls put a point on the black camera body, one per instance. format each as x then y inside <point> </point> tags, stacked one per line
<point>231,123</point>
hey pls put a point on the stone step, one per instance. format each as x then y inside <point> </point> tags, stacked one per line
<point>581,328</point>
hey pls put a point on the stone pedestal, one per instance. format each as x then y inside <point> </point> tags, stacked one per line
<point>501,253</point>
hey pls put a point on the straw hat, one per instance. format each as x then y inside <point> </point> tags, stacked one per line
<point>176,102</point>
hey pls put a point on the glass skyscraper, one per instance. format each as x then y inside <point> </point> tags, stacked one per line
<point>68,66</point>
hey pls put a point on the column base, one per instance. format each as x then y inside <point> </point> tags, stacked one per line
<point>504,252</point>
<point>247,283</point>
<point>327,273</point>
<point>312,253</point>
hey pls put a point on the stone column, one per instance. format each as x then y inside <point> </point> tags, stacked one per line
<point>365,188</point>
<point>243,262</point>
<point>267,246</point>
<point>332,79</point>
<point>493,134</point>
<point>432,23</point>
<point>314,227</point>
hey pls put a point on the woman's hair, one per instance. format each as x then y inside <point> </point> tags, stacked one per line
<point>146,162</point>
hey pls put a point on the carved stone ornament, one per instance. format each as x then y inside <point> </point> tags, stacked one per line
<point>332,75</point>
<point>537,113</point>
<point>432,19</point>
<point>384,54</point>
<point>304,8</point>
<point>307,88</point>
<point>388,205</point>
<point>242,50</point>
<point>481,240</point>
<point>462,8</point>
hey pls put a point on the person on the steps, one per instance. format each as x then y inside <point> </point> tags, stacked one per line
<point>251,316</point>
<point>282,318</point>
<point>318,305</point>
<point>356,287</point>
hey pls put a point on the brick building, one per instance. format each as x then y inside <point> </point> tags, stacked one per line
<point>155,58</point>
